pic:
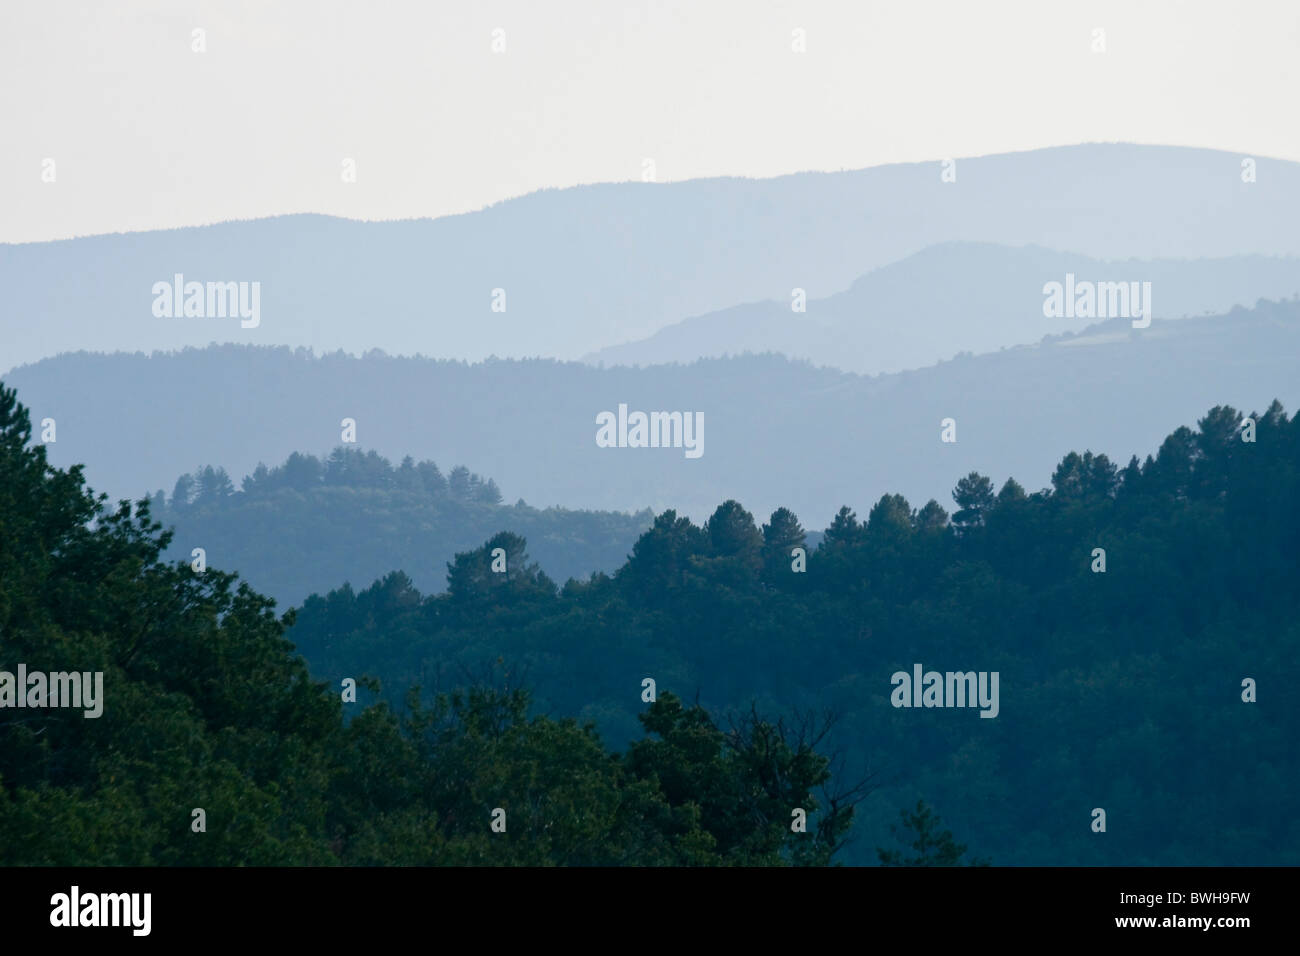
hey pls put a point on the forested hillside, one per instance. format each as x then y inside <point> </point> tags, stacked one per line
<point>215,747</point>
<point>310,524</point>
<point>1122,674</point>
<point>1142,621</point>
<point>777,432</point>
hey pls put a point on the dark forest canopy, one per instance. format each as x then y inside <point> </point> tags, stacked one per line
<point>1121,689</point>
<point>206,708</point>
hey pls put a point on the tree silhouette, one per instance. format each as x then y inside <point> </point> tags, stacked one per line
<point>928,845</point>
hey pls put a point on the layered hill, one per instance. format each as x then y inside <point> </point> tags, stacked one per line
<point>776,431</point>
<point>576,270</point>
<point>955,298</point>
<point>353,517</point>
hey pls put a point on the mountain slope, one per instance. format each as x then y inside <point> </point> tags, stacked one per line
<point>308,525</point>
<point>592,266</point>
<point>1121,686</point>
<point>949,299</point>
<point>776,431</point>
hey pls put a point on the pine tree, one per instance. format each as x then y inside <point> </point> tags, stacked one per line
<point>929,845</point>
<point>974,498</point>
<point>781,535</point>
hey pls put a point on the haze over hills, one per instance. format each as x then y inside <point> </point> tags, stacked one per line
<point>592,266</point>
<point>777,432</point>
<point>948,299</point>
<point>309,525</point>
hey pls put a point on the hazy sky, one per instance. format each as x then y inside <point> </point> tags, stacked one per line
<point>146,133</point>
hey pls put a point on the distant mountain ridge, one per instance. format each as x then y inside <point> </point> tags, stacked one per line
<point>949,299</point>
<point>580,269</point>
<point>777,431</point>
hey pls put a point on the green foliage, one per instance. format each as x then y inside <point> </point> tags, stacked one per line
<point>929,845</point>
<point>206,706</point>
<point>974,498</point>
<point>1119,690</point>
